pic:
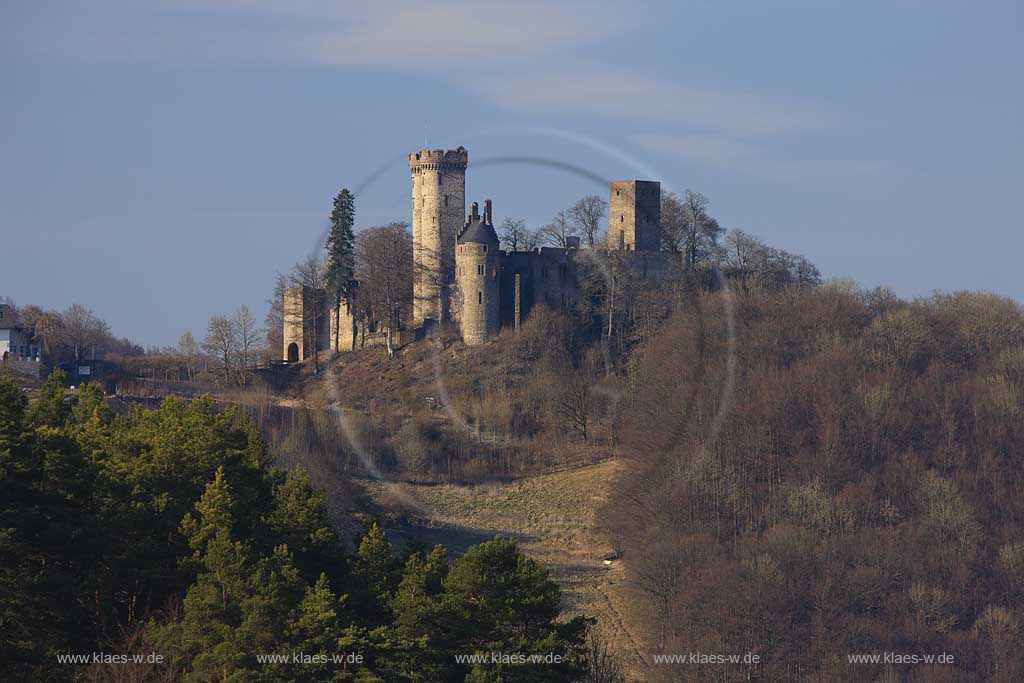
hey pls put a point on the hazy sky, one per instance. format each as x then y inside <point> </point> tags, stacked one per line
<point>159,161</point>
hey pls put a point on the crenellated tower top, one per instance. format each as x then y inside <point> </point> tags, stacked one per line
<point>439,159</point>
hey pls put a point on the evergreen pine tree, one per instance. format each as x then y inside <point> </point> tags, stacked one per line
<point>376,572</point>
<point>299,519</point>
<point>215,513</point>
<point>341,262</point>
<point>12,411</point>
<point>49,409</point>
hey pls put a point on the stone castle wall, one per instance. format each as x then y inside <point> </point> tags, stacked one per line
<point>346,326</point>
<point>547,276</point>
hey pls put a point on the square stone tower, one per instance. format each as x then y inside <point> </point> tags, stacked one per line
<point>438,209</point>
<point>301,306</point>
<point>634,215</point>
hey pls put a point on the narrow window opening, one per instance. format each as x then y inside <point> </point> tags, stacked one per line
<point>479,297</point>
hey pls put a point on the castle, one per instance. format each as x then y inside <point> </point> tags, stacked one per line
<point>460,272</point>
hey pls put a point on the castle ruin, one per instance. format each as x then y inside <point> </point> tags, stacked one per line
<point>460,273</point>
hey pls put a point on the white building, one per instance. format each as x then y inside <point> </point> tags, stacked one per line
<point>14,342</point>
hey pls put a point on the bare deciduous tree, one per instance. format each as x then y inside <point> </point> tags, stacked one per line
<point>384,267</point>
<point>44,328</point>
<point>82,331</point>
<point>558,231</point>
<point>514,234</point>
<point>673,223</point>
<point>603,665</point>
<point>572,402</point>
<point>220,343</point>
<point>311,275</point>
<point>659,578</point>
<point>533,239</point>
<point>752,264</point>
<point>247,333</point>
<point>587,215</point>
<point>188,349</point>
<point>274,322</point>
<point>687,228</point>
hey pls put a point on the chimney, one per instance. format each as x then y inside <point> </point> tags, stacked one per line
<point>487,212</point>
<point>474,212</point>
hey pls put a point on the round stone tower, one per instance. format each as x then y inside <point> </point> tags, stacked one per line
<point>476,266</point>
<point>438,205</point>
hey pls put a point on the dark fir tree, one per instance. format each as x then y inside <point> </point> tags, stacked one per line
<point>341,253</point>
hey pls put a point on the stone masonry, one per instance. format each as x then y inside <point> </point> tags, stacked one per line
<point>634,215</point>
<point>438,209</point>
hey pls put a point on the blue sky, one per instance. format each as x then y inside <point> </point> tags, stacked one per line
<point>159,161</point>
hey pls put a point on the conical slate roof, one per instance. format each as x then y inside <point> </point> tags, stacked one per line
<point>479,229</point>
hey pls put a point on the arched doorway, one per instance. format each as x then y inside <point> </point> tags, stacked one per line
<point>293,353</point>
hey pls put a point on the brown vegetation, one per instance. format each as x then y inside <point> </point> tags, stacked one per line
<point>440,411</point>
<point>852,487</point>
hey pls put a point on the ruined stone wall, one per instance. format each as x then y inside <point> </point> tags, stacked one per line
<point>374,340</point>
<point>348,329</point>
<point>656,265</point>
<point>439,205</point>
<point>554,278</point>
<point>352,333</point>
<point>547,276</point>
<point>634,215</point>
<point>478,272</point>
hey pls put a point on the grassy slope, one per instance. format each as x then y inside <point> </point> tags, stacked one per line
<point>366,379</point>
<point>551,514</point>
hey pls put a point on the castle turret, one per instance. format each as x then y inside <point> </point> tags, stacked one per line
<point>476,264</point>
<point>438,205</point>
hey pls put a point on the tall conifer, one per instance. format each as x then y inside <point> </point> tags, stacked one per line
<point>341,261</point>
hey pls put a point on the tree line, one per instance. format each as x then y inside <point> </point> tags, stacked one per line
<point>169,531</point>
<point>71,335</point>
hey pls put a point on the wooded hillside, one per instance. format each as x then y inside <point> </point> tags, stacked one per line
<point>848,480</point>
